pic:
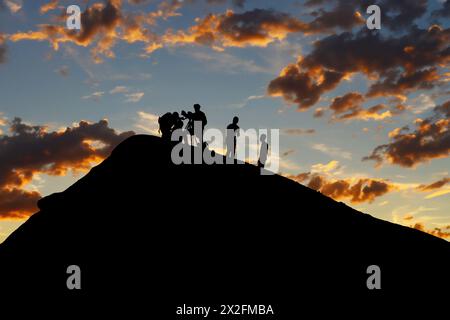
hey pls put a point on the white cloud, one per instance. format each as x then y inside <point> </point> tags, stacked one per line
<point>148,123</point>
<point>332,151</point>
<point>244,103</point>
<point>256,97</point>
<point>119,89</point>
<point>14,5</point>
<point>422,103</point>
<point>441,174</point>
<point>279,52</point>
<point>134,97</point>
<point>225,62</point>
<point>287,164</point>
<point>129,96</point>
<point>325,168</point>
<point>414,212</point>
<point>84,63</point>
<point>96,95</point>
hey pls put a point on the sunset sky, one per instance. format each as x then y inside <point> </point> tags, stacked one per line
<point>364,115</point>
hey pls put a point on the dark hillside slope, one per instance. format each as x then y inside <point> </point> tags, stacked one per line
<point>137,225</point>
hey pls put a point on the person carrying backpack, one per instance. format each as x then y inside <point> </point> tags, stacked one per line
<point>165,126</point>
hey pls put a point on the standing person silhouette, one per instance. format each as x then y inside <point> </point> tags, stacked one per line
<point>263,151</point>
<point>199,116</point>
<point>232,133</point>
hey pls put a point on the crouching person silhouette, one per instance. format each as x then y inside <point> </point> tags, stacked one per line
<point>165,125</point>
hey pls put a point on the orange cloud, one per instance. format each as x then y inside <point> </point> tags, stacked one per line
<point>348,102</point>
<point>105,24</point>
<point>435,185</point>
<point>2,48</point>
<point>399,85</point>
<point>348,107</point>
<point>258,27</point>
<point>102,26</point>
<point>377,112</point>
<point>29,150</point>
<point>358,191</point>
<point>438,193</point>
<point>17,204</point>
<point>408,217</point>
<point>437,232</point>
<point>52,5</point>
<point>398,71</point>
<point>430,140</point>
<point>303,88</point>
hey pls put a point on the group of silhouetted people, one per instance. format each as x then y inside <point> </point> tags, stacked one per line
<point>169,122</point>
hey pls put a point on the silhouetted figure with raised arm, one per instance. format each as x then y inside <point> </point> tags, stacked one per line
<point>177,121</point>
<point>190,124</point>
<point>263,151</point>
<point>196,116</point>
<point>232,133</point>
<point>177,124</point>
<point>188,116</point>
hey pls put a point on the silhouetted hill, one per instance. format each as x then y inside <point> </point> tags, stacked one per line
<point>145,230</point>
